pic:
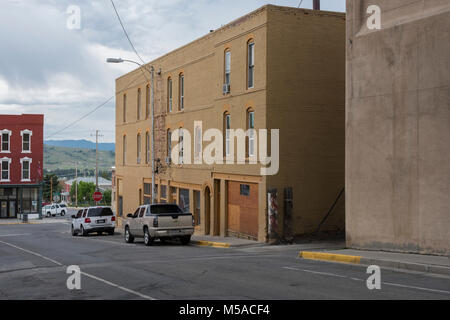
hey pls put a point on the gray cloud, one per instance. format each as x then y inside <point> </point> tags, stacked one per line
<point>47,68</point>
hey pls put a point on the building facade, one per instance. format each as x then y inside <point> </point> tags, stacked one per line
<point>21,159</point>
<point>276,68</point>
<point>398,129</point>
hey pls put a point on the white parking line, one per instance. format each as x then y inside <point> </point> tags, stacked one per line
<point>86,274</point>
<point>356,279</point>
<point>15,235</point>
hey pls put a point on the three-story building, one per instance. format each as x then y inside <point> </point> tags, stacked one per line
<point>277,68</point>
<point>21,165</point>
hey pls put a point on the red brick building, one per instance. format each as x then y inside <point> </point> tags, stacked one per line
<point>21,165</point>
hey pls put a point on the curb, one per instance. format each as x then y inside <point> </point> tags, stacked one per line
<point>211,244</point>
<point>342,258</point>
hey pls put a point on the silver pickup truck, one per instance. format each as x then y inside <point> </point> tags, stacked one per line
<point>159,221</point>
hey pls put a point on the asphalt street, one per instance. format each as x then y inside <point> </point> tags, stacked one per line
<point>34,261</point>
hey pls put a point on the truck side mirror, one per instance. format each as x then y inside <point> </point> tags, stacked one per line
<point>130,215</point>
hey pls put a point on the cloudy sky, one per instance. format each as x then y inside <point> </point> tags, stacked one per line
<point>45,67</point>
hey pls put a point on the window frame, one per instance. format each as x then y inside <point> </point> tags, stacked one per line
<point>138,148</point>
<point>9,133</point>
<point>7,160</point>
<point>124,107</point>
<point>30,134</point>
<point>124,149</point>
<point>251,132</point>
<point>169,94</point>
<point>227,67</point>
<point>29,161</point>
<point>226,129</point>
<point>181,92</point>
<point>138,105</point>
<point>250,63</point>
<point>169,144</point>
<point>147,147</point>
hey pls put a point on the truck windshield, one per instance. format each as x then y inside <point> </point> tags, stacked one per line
<point>100,212</point>
<point>166,209</point>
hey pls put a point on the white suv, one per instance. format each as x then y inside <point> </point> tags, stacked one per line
<point>94,219</point>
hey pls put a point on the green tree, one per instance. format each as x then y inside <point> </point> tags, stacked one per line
<point>85,191</point>
<point>107,197</point>
<point>50,179</point>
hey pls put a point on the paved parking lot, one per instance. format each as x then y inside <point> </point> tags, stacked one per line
<point>34,261</point>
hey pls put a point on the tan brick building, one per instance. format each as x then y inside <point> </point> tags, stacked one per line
<point>285,68</point>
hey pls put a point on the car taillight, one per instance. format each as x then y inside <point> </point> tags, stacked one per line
<point>113,218</point>
<point>87,220</point>
<point>155,222</point>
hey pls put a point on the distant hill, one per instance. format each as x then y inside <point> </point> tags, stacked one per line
<point>65,158</point>
<point>81,144</point>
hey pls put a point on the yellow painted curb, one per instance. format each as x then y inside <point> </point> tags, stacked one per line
<point>329,257</point>
<point>212,244</point>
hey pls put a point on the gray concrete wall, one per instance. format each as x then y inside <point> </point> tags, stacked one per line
<point>398,127</point>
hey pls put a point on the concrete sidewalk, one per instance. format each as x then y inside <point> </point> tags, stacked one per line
<point>403,261</point>
<point>223,242</point>
<point>5,222</point>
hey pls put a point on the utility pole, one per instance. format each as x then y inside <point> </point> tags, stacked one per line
<point>153,133</point>
<point>316,4</point>
<point>96,160</point>
<point>76,185</point>
<point>51,189</point>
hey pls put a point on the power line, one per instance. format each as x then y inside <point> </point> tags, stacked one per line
<point>125,31</point>
<point>301,1</point>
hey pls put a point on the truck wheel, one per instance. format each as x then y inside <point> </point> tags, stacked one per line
<point>128,237</point>
<point>148,240</point>
<point>111,232</point>
<point>63,213</point>
<point>185,240</point>
<point>74,233</point>
<point>83,232</point>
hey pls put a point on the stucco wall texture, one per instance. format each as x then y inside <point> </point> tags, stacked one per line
<point>398,127</point>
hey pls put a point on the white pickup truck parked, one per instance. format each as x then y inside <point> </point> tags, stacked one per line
<point>159,221</point>
<point>52,210</point>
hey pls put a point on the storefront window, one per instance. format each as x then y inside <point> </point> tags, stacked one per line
<point>30,200</point>
<point>184,200</point>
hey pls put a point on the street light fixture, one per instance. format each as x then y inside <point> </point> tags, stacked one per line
<point>152,73</point>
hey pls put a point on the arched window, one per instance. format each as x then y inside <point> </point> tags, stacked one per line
<point>124,108</point>
<point>227,71</point>
<point>181,92</point>
<point>138,148</point>
<point>169,95</point>
<point>138,108</point>
<point>147,101</point>
<point>251,64</point>
<point>124,149</point>
<point>169,143</point>
<point>147,147</point>
<point>226,130</point>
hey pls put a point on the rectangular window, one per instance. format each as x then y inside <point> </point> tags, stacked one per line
<point>181,92</point>
<point>5,142</point>
<point>251,65</point>
<point>26,137</point>
<point>169,94</point>
<point>245,190</point>
<point>26,170</point>
<point>147,188</point>
<point>5,170</point>
<point>163,192</point>
<point>227,67</point>
<point>183,200</point>
<point>251,137</point>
